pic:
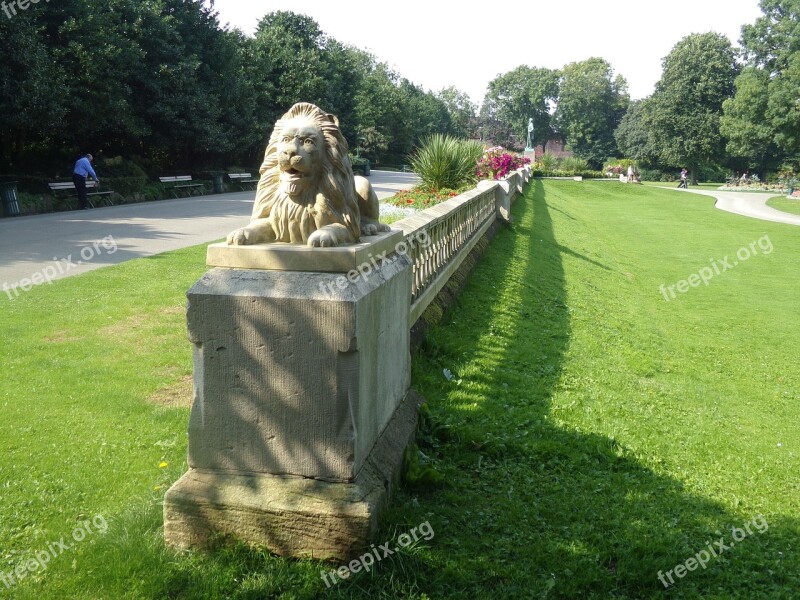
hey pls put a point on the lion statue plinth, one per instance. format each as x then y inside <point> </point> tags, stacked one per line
<point>307,193</point>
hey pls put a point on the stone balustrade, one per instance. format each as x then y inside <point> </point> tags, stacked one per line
<point>451,229</point>
<point>302,409</point>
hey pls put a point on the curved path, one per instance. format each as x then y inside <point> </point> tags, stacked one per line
<point>749,204</point>
<point>56,245</point>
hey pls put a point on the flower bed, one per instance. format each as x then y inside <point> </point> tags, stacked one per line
<point>422,197</point>
<point>775,188</point>
<point>496,163</point>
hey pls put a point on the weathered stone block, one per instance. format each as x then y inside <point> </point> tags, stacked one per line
<point>291,516</point>
<point>296,373</point>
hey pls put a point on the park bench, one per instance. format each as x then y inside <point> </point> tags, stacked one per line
<point>180,184</point>
<point>64,190</point>
<point>245,181</point>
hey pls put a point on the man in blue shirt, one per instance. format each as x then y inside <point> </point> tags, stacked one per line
<point>83,169</point>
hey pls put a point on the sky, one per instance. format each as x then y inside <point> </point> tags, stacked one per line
<point>466,44</point>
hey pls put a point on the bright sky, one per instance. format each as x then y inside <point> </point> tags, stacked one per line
<point>436,44</point>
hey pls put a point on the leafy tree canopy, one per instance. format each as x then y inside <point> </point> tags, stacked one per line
<point>591,104</point>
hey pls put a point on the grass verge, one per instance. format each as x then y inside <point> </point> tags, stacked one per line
<point>787,205</point>
<point>595,433</point>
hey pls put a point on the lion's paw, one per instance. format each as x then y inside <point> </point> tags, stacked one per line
<point>238,237</point>
<point>257,232</point>
<point>370,227</point>
<point>322,239</point>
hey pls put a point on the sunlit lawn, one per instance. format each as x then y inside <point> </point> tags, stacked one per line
<point>593,435</point>
<point>789,205</point>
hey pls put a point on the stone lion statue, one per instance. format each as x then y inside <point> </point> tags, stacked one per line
<point>307,193</point>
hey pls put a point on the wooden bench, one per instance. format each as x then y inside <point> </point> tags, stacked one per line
<point>245,181</point>
<point>64,189</point>
<point>179,184</point>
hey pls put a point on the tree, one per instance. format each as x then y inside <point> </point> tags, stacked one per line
<point>745,123</point>
<point>495,132</point>
<point>160,83</point>
<point>518,95</point>
<point>685,108</point>
<point>423,114</point>
<point>775,37</point>
<point>288,60</point>
<point>461,109</point>
<point>632,134</point>
<point>378,109</point>
<point>591,104</point>
<point>343,75</point>
<point>762,120</point>
<point>32,87</point>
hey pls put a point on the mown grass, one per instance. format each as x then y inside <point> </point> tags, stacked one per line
<point>593,433</point>
<point>789,205</point>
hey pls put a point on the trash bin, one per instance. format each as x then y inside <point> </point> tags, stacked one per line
<point>219,187</point>
<point>366,168</point>
<point>8,196</point>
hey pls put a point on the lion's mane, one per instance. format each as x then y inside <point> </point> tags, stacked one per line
<point>336,195</point>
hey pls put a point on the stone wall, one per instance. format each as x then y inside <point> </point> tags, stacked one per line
<point>450,231</point>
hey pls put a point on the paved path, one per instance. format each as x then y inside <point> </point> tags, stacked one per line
<point>748,204</point>
<point>56,245</point>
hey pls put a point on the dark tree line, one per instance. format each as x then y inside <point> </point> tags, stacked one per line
<point>163,85</point>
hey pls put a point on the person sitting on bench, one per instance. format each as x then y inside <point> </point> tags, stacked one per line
<point>83,169</point>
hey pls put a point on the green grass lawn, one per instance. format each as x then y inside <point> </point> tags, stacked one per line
<point>789,205</point>
<point>594,434</point>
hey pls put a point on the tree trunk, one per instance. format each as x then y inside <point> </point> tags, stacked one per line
<point>692,176</point>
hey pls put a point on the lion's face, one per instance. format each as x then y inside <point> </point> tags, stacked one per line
<point>299,150</point>
<point>306,180</point>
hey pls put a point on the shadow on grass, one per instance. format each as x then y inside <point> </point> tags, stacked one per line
<point>530,507</point>
<point>534,508</point>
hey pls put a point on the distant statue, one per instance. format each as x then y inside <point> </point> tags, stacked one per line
<point>529,144</point>
<point>307,193</point>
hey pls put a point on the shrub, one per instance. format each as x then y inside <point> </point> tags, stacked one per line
<point>34,204</point>
<point>124,186</point>
<point>573,164</point>
<point>446,162</point>
<point>548,162</point>
<point>587,174</point>
<point>656,175</point>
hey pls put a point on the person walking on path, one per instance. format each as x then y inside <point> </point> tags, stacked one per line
<point>82,170</point>
<point>683,182</point>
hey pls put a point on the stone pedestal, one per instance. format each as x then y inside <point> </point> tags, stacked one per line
<point>301,411</point>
